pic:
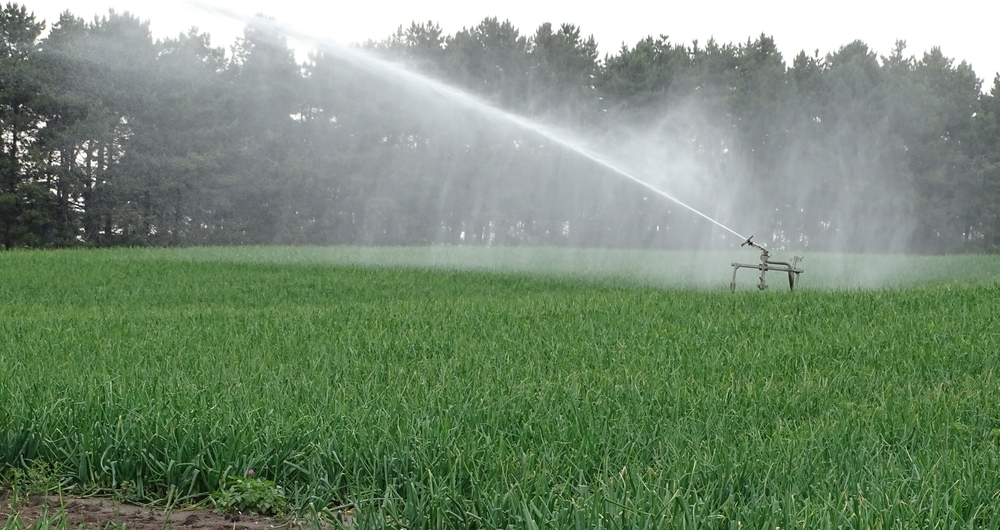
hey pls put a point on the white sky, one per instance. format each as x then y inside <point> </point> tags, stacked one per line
<point>964,29</point>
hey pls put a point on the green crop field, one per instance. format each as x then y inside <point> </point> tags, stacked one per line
<point>509,388</point>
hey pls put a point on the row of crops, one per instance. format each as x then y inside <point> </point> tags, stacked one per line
<point>443,397</point>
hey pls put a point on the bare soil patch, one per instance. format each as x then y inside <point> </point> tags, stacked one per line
<point>104,513</point>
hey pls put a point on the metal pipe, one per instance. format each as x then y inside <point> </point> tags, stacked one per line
<point>766,265</point>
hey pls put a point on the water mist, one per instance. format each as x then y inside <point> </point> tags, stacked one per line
<point>566,140</point>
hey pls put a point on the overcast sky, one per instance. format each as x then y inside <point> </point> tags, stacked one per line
<point>964,29</point>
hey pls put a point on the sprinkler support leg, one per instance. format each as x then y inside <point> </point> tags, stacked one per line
<point>768,265</point>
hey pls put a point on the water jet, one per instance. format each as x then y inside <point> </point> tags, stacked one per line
<point>359,58</point>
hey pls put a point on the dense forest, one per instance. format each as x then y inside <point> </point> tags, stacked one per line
<point>109,137</point>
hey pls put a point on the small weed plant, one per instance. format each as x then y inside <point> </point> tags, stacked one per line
<point>40,478</point>
<point>253,495</point>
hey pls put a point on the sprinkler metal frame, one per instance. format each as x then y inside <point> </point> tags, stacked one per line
<point>766,264</point>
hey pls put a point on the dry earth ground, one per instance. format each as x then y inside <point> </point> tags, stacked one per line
<point>94,513</point>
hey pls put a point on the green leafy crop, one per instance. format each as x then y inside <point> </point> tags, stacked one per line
<point>431,398</point>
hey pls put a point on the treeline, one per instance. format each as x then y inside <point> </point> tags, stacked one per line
<point>108,137</point>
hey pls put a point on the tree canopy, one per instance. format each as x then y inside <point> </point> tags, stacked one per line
<point>109,137</point>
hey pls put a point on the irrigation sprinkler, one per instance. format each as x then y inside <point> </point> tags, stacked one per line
<point>767,264</point>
